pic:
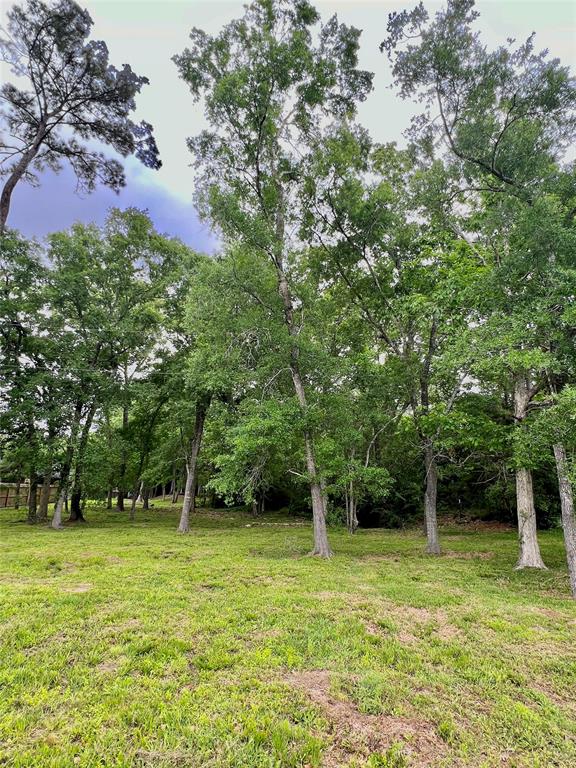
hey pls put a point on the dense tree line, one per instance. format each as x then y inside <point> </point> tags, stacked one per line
<point>385,331</point>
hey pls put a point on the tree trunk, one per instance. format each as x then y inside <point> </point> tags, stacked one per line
<point>76,514</point>
<point>18,171</point>
<point>430,497</point>
<point>66,469</point>
<point>45,497</point>
<point>529,555</point>
<point>135,494</point>
<point>321,544</point>
<point>568,516</point>
<point>146,498</point>
<point>529,550</point>
<point>109,497</point>
<point>32,497</point>
<point>124,454</point>
<point>351,512</point>
<point>76,505</point>
<point>202,405</point>
<point>57,516</point>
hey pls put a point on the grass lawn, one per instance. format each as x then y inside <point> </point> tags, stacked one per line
<point>128,645</point>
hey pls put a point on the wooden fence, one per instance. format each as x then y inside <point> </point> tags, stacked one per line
<point>9,493</point>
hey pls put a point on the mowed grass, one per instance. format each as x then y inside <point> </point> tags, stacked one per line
<point>129,645</point>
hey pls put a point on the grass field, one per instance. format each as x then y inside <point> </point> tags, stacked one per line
<point>128,645</point>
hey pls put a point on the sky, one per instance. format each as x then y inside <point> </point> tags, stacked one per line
<point>147,33</point>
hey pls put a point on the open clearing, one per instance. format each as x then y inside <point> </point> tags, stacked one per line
<point>128,645</point>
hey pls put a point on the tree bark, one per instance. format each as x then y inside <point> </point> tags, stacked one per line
<point>529,550</point>
<point>57,516</point>
<point>124,454</point>
<point>188,505</point>
<point>321,543</point>
<point>76,514</point>
<point>430,464</point>
<point>32,498</point>
<point>45,497</point>
<point>136,491</point>
<point>430,497</point>
<point>146,498</point>
<point>109,496</point>
<point>17,173</point>
<point>568,516</point>
<point>351,508</point>
<point>66,469</point>
<point>529,555</point>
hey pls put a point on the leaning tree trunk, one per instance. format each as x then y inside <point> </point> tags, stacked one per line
<point>66,470</point>
<point>188,505</point>
<point>430,497</point>
<point>529,549</point>
<point>136,491</point>
<point>568,516</point>
<point>76,514</point>
<point>18,172</point>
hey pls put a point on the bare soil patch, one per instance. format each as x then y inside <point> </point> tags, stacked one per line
<point>356,735</point>
<point>77,589</point>
<point>467,555</point>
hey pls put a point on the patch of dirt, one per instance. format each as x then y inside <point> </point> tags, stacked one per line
<point>357,736</point>
<point>267,634</point>
<point>406,638</point>
<point>108,667</point>
<point>551,613</point>
<point>373,629</point>
<point>420,614</point>
<point>468,555</point>
<point>546,689</point>
<point>155,759</point>
<point>77,589</point>
<point>476,526</point>
<point>448,632</point>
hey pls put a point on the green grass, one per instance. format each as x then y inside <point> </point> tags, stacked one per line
<point>129,645</point>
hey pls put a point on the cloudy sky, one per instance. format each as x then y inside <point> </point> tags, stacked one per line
<point>147,33</point>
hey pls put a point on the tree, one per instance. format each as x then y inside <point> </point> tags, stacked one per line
<point>74,98</point>
<point>267,89</point>
<point>105,289</point>
<point>409,280</point>
<point>504,119</point>
<point>229,340</point>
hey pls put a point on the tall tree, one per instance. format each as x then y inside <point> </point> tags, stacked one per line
<point>268,85</point>
<point>504,119</point>
<point>74,97</point>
